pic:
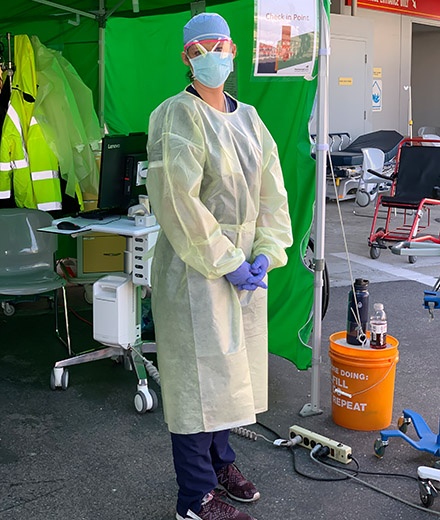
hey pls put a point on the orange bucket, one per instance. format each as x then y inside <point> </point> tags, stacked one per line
<point>362,383</point>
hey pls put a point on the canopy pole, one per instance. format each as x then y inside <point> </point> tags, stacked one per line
<point>101,74</point>
<point>66,8</point>
<point>313,408</point>
<point>102,20</point>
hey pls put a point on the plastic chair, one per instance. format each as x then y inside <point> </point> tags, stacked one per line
<point>428,130</point>
<point>431,139</point>
<point>370,184</point>
<point>27,262</point>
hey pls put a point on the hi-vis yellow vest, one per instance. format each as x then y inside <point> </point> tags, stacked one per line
<point>27,164</point>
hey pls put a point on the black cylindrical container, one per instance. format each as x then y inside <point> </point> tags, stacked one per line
<point>355,336</point>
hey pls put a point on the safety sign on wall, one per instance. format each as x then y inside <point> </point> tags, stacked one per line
<point>285,37</point>
<point>376,95</point>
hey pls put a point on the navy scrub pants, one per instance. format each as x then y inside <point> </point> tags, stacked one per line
<point>197,459</point>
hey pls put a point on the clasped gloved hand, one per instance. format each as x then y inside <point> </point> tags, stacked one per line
<point>259,270</point>
<point>244,279</point>
<point>260,266</point>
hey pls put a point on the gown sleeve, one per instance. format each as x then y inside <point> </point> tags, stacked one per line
<point>176,153</point>
<point>274,230</point>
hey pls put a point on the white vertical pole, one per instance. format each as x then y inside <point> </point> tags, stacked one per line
<point>354,7</point>
<point>313,408</point>
<point>410,118</point>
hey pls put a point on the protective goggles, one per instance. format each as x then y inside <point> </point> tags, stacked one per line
<point>194,49</point>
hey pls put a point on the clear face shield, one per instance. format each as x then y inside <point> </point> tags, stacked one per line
<point>223,47</point>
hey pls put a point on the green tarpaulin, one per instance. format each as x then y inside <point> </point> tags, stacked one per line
<point>143,67</point>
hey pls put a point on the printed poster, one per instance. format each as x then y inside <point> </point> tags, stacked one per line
<point>285,37</point>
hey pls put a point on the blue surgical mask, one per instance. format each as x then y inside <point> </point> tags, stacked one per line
<point>213,68</point>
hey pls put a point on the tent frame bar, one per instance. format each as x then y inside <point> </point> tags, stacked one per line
<point>322,147</point>
<point>101,16</point>
<point>67,8</point>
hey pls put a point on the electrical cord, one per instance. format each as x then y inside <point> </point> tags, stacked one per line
<point>79,317</point>
<point>373,487</point>
<point>312,477</point>
<point>372,473</point>
<point>152,371</point>
<point>254,436</point>
<point>344,238</point>
<point>279,442</point>
<point>273,432</point>
<point>249,434</point>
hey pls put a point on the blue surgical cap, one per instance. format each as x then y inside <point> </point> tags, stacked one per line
<point>205,26</point>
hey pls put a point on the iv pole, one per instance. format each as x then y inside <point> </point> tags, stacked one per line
<point>313,408</point>
<point>410,119</point>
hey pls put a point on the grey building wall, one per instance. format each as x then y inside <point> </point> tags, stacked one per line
<point>392,48</point>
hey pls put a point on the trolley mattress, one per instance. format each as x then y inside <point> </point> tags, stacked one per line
<point>386,140</point>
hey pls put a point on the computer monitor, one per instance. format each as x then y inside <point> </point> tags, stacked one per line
<point>122,159</point>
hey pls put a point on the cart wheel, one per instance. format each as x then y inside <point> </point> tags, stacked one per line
<point>155,400</point>
<point>380,240</point>
<point>362,198</point>
<point>65,379</point>
<point>88,293</point>
<point>52,382</point>
<point>8,309</point>
<point>145,401</point>
<point>427,499</point>
<point>59,378</point>
<point>379,448</point>
<point>412,259</point>
<point>402,423</point>
<point>374,252</point>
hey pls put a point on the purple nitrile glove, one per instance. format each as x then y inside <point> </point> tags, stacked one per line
<point>251,286</point>
<point>260,265</point>
<point>243,279</point>
<point>240,275</point>
<point>258,269</point>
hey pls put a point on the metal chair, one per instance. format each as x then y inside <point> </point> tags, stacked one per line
<point>27,262</point>
<point>414,191</point>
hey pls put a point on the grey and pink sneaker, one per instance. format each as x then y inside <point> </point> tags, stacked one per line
<point>236,485</point>
<point>214,508</point>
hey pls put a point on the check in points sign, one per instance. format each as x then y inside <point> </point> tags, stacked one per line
<point>285,37</point>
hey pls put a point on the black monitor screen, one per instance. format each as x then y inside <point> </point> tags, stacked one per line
<point>119,165</point>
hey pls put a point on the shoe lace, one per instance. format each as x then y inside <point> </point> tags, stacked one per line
<point>223,510</point>
<point>221,493</point>
<point>232,475</point>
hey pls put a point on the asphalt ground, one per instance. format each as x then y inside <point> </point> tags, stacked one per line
<point>85,454</point>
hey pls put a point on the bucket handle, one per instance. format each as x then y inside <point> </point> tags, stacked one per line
<point>338,391</point>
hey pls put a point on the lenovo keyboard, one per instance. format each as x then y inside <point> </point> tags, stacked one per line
<point>99,213</point>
